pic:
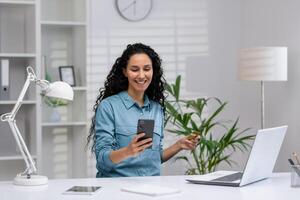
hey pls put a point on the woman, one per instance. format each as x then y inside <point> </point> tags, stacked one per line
<point>134,90</point>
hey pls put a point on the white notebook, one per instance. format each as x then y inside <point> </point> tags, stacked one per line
<point>150,190</point>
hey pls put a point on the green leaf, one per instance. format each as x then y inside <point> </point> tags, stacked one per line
<point>54,102</point>
<point>176,88</point>
<point>169,89</point>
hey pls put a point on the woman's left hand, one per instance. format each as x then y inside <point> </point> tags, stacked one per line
<point>188,142</point>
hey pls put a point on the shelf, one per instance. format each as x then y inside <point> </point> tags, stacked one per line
<point>63,23</point>
<point>59,124</point>
<point>17,25</point>
<point>18,2</point>
<point>67,12</point>
<point>79,88</point>
<point>56,30</point>
<point>14,102</point>
<point>17,55</point>
<point>62,45</point>
<point>17,157</point>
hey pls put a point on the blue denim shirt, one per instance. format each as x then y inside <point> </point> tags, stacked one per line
<point>116,125</point>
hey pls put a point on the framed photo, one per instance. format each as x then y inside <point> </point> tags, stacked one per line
<point>66,74</point>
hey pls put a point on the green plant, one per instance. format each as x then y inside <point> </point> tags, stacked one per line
<point>54,102</point>
<point>218,140</point>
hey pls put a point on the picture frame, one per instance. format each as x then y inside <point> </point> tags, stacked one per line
<point>67,74</point>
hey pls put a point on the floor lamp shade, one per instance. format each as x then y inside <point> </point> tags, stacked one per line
<point>263,64</point>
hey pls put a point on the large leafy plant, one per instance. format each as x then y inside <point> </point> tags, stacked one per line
<point>219,139</point>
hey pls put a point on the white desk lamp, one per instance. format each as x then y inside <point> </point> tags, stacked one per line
<point>263,64</point>
<point>57,89</point>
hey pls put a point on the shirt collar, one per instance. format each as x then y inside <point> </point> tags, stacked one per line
<point>129,102</point>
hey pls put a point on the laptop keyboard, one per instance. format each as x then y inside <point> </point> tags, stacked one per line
<point>230,178</point>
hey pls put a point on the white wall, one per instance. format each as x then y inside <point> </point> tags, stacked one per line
<point>216,75</point>
<point>229,25</point>
<point>276,22</point>
<point>251,23</point>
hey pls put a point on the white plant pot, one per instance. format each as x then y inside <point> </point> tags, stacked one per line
<point>59,114</point>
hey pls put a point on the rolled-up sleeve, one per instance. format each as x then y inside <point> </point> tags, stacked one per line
<point>104,135</point>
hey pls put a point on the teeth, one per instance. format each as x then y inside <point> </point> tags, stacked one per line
<point>141,82</point>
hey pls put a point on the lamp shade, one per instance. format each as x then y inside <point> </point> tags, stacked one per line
<point>60,90</point>
<point>263,64</point>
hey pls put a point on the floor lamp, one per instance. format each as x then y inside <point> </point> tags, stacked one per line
<point>263,64</point>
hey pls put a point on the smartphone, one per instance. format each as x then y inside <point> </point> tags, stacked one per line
<point>145,126</point>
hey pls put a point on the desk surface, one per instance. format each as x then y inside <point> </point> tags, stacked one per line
<point>277,187</point>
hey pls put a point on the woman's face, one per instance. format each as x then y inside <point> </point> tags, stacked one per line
<point>139,72</point>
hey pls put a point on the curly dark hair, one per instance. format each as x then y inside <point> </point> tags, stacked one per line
<point>117,82</point>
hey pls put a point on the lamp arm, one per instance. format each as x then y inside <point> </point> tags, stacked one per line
<point>10,118</point>
<point>30,77</point>
<point>30,164</point>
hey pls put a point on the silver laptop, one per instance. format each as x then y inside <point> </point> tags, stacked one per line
<point>259,166</point>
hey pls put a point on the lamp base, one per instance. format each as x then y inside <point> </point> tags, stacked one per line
<point>34,180</point>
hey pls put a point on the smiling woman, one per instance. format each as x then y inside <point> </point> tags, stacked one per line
<point>134,90</point>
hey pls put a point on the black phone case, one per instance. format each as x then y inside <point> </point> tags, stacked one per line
<point>145,126</point>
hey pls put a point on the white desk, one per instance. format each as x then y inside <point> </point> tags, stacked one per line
<point>277,187</point>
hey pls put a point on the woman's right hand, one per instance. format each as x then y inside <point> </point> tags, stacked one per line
<point>135,147</point>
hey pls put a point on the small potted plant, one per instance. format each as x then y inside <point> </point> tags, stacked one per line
<point>58,108</point>
<point>219,139</point>
<point>55,109</point>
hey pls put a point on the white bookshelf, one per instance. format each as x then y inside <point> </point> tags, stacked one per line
<point>79,88</point>
<point>66,10</point>
<point>18,40</point>
<point>17,55</point>
<point>14,102</point>
<point>29,2</point>
<point>61,124</point>
<point>44,34</point>
<point>63,43</point>
<point>63,23</point>
<point>14,157</point>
